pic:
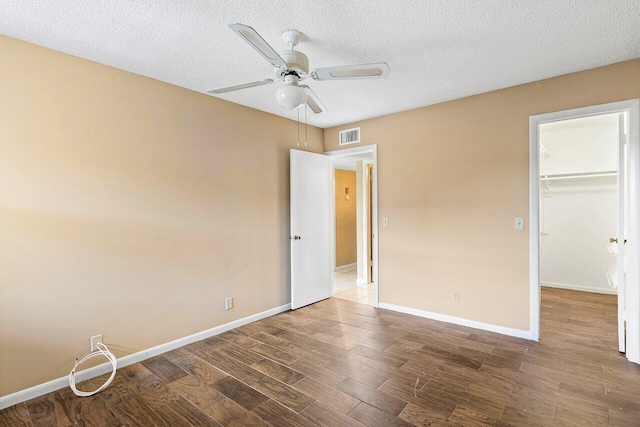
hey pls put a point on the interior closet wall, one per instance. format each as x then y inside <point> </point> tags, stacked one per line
<point>345,217</point>
<point>578,215</point>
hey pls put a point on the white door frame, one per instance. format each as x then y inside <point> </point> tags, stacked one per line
<point>633,280</point>
<point>365,149</point>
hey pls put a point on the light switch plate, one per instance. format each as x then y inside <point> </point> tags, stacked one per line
<point>519,223</point>
<point>385,222</point>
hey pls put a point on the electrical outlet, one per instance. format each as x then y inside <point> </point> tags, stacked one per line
<point>456,296</point>
<point>95,340</point>
<point>228,303</point>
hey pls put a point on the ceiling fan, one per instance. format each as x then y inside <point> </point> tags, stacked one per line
<point>292,66</point>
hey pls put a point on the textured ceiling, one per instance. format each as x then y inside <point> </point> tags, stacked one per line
<point>437,50</point>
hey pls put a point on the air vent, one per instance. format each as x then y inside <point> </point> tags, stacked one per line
<point>349,136</point>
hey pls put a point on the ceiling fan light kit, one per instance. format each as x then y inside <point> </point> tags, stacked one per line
<point>292,66</point>
<point>291,95</point>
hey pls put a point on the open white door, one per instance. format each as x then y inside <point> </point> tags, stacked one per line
<point>623,206</point>
<point>310,228</point>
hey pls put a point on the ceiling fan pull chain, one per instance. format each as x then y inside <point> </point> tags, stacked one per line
<point>298,139</point>
<point>306,138</point>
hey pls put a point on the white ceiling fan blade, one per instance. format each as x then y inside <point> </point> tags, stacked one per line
<point>313,101</point>
<point>254,39</point>
<point>360,71</point>
<point>241,86</point>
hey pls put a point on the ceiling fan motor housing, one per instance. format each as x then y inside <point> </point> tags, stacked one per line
<point>296,62</point>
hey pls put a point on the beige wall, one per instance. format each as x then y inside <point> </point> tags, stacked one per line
<point>131,208</point>
<point>452,178</point>
<point>345,218</point>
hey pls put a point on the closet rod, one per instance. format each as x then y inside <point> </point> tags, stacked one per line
<point>553,177</point>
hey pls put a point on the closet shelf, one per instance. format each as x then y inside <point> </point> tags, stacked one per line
<point>558,176</point>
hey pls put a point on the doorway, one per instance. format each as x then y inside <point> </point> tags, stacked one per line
<point>354,243</point>
<point>579,203</point>
<point>584,166</point>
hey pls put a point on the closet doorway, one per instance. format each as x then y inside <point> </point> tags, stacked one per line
<point>585,221</point>
<point>579,203</point>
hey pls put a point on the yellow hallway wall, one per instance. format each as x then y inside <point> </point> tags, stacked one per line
<point>346,252</point>
<point>452,178</point>
<point>132,208</point>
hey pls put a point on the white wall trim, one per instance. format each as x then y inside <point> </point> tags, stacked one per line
<point>344,267</point>
<point>41,389</point>
<point>611,291</point>
<point>520,333</point>
<point>632,106</point>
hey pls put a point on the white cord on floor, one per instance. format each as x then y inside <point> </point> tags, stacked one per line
<point>101,351</point>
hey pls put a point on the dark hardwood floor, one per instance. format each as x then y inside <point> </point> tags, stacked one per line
<point>339,363</point>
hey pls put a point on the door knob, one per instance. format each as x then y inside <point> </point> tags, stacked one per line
<point>296,237</point>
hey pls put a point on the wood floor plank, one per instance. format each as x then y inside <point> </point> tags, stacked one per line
<point>158,393</point>
<point>240,393</point>
<point>465,416</point>
<point>317,372</point>
<point>164,369</point>
<point>257,327</point>
<point>284,394</point>
<point>373,397</point>
<point>376,355</point>
<point>240,354</point>
<point>196,391</point>
<point>374,417</point>
<point>418,377</point>
<point>200,369</point>
<point>121,389</point>
<point>135,412</point>
<point>232,367</point>
<point>521,418</point>
<point>50,409</point>
<point>280,356</point>
<point>182,413</point>
<point>175,355</point>
<point>15,416</point>
<point>326,416</point>
<point>434,400</point>
<point>277,415</point>
<point>278,371</point>
<point>279,342</point>
<point>239,339</point>
<point>419,416</point>
<point>229,414</point>
<point>131,373</point>
<point>89,411</point>
<point>329,396</point>
<point>624,417</point>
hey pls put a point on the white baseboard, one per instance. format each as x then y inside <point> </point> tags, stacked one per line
<point>520,333</point>
<point>610,291</point>
<point>344,267</point>
<point>41,389</point>
<point>360,282</point>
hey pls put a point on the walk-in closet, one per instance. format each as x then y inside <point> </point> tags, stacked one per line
<point>579,203</point>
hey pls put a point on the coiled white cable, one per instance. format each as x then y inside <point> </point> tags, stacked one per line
<point>101,351</point>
